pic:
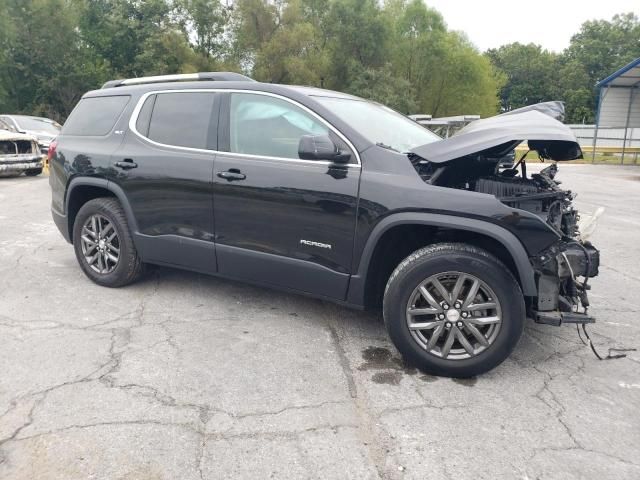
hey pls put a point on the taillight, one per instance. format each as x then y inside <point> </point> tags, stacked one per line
<point>52,150</point>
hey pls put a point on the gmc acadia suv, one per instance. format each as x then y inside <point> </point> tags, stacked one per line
<point>329,195</point>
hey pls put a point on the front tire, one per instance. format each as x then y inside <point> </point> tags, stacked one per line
<point>33,172</point>
<point>103,244</point>
<point>453,310</point>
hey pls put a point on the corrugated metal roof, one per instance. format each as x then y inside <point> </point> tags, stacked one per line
<point>627,76</point>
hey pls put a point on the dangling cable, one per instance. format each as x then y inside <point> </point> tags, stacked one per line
<point>593,348</point>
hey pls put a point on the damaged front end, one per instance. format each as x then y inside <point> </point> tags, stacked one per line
<point>472,159</point>
<point>18,153</point>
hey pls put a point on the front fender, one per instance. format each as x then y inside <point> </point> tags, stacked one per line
<point>502,235</point>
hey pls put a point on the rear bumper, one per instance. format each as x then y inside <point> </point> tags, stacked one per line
<point>15,164</point>
<point>61,222</point>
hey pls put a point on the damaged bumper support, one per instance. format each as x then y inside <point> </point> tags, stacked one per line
<point>560,292</point>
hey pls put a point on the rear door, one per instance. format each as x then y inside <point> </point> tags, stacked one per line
<point>165,168</point>
<point>281,220</point>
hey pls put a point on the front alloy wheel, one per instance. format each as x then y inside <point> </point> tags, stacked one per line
<point>454,315</point>
<point>453,309</point>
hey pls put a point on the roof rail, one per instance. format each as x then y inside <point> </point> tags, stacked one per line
<point>215,76</point>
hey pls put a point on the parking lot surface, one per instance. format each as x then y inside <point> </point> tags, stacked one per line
<point>183,376</point>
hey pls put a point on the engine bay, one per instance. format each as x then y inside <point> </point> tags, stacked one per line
<point>539,194</point>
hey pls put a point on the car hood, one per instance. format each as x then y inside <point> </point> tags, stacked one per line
<point>554,109</point>
<point>549,137</point>
<point>7,135</point>
<point>42,136</point>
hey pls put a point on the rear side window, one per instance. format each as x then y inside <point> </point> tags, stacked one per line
<point>181,119</point>
<point>95,115</point>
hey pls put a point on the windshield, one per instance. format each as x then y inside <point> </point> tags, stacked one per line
<point>380,124</point>
<point>38,124</point>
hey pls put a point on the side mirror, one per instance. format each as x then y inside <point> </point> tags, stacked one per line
<point>321,147</point>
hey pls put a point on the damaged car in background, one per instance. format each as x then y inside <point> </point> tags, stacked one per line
<point>19,153</point>
<point>44,129</point>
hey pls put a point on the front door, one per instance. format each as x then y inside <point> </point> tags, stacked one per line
<point>165,167</point>
<point>281,220</point>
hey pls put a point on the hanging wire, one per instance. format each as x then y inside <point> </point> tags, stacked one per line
<point>593,348</point>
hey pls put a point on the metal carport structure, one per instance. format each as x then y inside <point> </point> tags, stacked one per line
<point>619,102</point>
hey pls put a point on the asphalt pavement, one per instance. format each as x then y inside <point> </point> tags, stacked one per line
<point>184,376</point>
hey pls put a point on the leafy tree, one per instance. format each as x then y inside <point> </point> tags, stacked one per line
<point>358,39</point>
<point>531,74</point>
<point>602,46</point>
<point>400,54</point>
<point>47,69</point>
<point>253,23</point>
<point>119,30</point>
<point>382,86</point>
<point>460,80</point>
<point>295,52</point>
<point>165,53</point>
<point>597,50</point>
<point>207,20</point>
<point>448,75</point>
<point>416,31</point>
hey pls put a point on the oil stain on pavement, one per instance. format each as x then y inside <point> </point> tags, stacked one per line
<point>393,368</point>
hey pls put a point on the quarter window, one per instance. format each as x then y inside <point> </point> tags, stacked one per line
<point>95,115</point>
<point>267,126</point>
<point>181,119</point>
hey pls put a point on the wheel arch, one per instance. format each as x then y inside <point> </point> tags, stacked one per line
<point>364,287</point>
<point>81,190</point>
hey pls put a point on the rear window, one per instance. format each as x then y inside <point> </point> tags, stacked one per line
<point>181,119</point>
<point>95,115</point>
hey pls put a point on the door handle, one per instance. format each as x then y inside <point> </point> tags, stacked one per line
<point>232,174</point>
<point>126,164</point>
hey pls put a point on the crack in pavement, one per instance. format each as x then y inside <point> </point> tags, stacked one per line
<point>366,428</point>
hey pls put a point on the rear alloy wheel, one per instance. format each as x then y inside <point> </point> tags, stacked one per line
<point>103,244</point>
<point>100,244</point>
<point>453,310</point>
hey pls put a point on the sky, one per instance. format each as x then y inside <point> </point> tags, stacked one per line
<point>550,23</point>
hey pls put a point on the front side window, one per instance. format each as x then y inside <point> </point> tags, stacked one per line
<point>181,119</point>
<point>268,126</point>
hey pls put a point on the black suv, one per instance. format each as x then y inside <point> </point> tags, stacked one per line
<point>329,195</point>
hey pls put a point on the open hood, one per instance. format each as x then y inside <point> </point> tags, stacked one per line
<point>549,137</point>
<point>554,109</point>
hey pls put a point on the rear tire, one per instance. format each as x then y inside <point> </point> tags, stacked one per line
<point>103,244</point>
<point>33,172</point>
<point>484,324</point>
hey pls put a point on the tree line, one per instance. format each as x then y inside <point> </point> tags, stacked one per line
<point>399,52</point>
